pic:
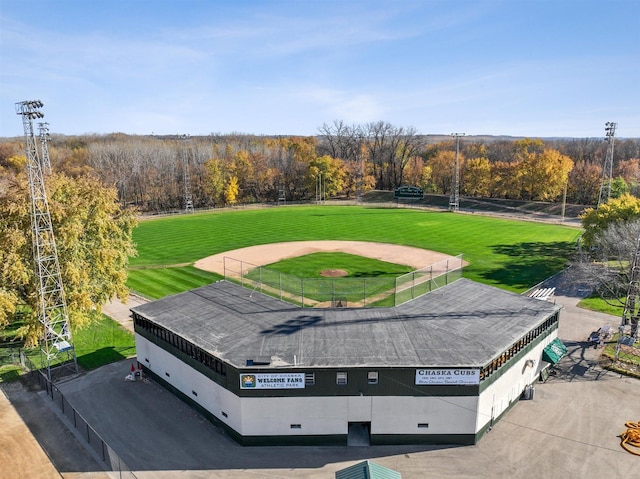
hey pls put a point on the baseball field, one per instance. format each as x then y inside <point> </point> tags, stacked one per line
<point>513,255</point>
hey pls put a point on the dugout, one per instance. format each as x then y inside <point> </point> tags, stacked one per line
<point>439,369</point>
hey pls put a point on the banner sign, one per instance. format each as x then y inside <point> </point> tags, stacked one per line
<point>272,381</point>
<point>447,376</point>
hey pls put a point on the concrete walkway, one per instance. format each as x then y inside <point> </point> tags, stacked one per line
<point>119,311</point>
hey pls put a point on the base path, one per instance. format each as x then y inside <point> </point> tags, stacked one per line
<point>271,253</point>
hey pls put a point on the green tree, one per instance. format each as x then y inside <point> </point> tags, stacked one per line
<point>619,187</point>
<point>617,210</point>
<point>94,243</point>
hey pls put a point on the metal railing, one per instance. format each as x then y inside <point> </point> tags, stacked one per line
<point>108,456</point>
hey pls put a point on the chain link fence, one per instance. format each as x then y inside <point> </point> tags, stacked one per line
<point>627,350</point>
<point>110,459</point>
<point>343,291</point>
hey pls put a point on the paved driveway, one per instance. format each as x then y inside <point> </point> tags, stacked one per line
<point>570,428</point>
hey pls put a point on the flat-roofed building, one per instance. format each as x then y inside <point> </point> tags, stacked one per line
<point>439,369</point>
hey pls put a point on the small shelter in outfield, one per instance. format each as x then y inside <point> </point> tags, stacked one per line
<point>439,369</point>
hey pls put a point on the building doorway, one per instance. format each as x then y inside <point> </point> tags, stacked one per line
<point>359,434</point>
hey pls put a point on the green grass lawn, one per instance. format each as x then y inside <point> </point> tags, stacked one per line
<point>599,304</point>
<point>311,265</point>
<point>301,276</point>
<point>102,342</point>
<point>514,255</point>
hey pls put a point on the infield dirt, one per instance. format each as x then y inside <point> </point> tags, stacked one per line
<point>271,253</point>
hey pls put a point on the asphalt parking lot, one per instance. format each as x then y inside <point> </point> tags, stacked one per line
<point>571,427</point>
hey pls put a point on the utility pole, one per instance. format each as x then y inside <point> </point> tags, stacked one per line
<point>188,199</point>
<point>454,200</point>
<point>607,169</point>
<point>56,347</point>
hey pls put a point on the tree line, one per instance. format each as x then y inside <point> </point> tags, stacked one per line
<point>341,161</point>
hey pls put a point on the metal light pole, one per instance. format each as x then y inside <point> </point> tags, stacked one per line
<point>607,169</point>
<point>454,201</point>
<point>188,198</point>
<point>56,347</point>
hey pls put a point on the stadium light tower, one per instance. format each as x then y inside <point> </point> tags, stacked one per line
<point>43,129</point>
<point>188,198</point>
<point>454,200</point>
<point>631,313</point>
<point>56,346</point>
<point>607,169</point>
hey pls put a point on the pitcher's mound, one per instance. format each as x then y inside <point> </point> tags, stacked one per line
<point>333,273</point>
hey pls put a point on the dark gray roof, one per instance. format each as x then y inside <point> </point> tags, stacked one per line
<point>464,324</point>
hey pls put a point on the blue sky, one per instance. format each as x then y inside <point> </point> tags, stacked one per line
<point>515,67</point>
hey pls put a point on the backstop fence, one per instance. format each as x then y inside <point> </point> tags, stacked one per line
<point>336,292</point>
<point>110,459</point>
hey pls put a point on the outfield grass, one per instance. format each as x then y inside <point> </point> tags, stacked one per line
<point>514,255</point>
<point>154,283</point>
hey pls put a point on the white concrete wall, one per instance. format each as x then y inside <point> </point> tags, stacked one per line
<point>316,415</point>
<point>331,415</point>
<point>211,396</point>
<point>445,415</point>
<point>507,388</point>
<point>274,416</point>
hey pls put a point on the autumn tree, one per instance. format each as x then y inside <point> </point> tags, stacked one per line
<point>617,210</point>
<point>584,183</point>
<point>231,191</point>
<point>413,171</point>
<point>477,177</point>
<point>94,243</point>
<point>214,180</point>
<point>543,174</point>
<point>505,180</point>
<point>442,166</point>
<point>329,171</point>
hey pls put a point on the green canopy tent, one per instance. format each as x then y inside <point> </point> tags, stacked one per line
<point>554,352</point>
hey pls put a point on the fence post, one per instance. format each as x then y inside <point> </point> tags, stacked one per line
<point>364,292</point>
<point>261,279</point>
<point>430,278</point>
<point>241,274</point>
<point>280,285</point>
<point>302,291</point>
<point>333,289</point>
<point>413,285</point>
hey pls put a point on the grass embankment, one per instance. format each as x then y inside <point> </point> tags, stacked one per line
<point>513,255</point>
